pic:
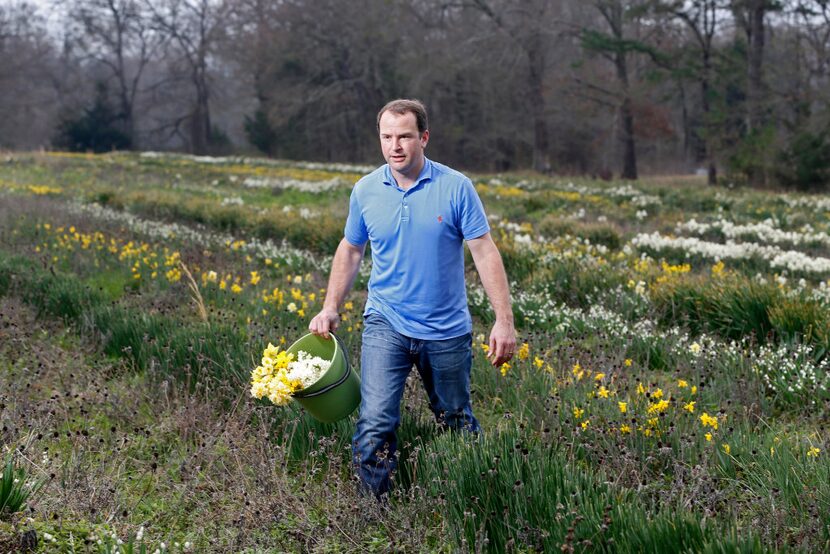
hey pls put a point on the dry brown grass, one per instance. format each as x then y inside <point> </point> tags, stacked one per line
<point>128,450</point>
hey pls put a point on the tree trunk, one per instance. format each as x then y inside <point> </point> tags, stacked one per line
<point>712,171</point>
<point>629,170</point>
<point>536,76</point>
<point>200,120</point>
<point>541,157</point>
<point>629,161</point>
<point>757,9</point>
<point>755,85</point>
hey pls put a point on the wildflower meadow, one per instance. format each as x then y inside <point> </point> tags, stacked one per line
<point>670,392</point>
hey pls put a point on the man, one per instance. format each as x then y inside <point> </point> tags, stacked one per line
<point>417,214</point>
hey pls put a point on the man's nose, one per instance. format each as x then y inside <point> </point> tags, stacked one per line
<point>396,143</point>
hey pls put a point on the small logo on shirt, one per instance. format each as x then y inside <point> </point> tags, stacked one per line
<point>440,219</point>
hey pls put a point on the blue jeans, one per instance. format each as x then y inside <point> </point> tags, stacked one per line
<point>386,359</point>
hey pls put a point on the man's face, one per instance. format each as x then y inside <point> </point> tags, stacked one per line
<point>401,144</point>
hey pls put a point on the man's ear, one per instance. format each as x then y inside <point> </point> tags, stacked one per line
<point>424,138</point>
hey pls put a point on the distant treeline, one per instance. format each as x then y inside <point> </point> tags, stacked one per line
<point>736,89</point>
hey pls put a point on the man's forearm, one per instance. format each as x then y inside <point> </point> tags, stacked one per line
<point>494,279</point>
<point>344,268</point>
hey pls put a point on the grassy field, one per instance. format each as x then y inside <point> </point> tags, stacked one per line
<point>670,393</point>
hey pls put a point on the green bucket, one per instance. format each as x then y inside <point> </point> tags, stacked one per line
<point>336,394</point>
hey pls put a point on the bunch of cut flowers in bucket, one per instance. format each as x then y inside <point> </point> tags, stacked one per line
<point>281,374</point>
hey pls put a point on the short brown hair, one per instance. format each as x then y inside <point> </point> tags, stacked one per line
<point>402,106</point>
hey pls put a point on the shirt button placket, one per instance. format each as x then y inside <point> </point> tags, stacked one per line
<point>404,209</point>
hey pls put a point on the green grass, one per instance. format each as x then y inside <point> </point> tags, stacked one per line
<point>178,383</point>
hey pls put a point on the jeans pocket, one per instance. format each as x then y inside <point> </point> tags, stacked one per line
<point>376,327</point>
<point>451,356</point>
<point>455,344</point>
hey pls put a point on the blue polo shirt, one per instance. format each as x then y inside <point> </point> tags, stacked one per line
<point>417,239</point>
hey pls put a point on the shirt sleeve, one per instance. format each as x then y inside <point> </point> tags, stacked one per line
<point>355,231</point>
<point>472,219</point>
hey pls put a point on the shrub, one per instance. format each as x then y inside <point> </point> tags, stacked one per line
<point>552,226</point>
<point>805,163</point>
<point>600,233</point>
<point>260,132</point>
<point>96,129</point>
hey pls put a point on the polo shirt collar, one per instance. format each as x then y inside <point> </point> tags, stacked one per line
<point>424,176</point>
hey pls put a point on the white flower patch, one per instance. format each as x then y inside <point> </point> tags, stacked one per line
<point>217,160</point>
<point>303,212</point>
<point>539,308</point>
<point>625,192</point>
<point>815,203</point>
<point>791,370</point>
<point>282,253</point>
<point>338,167</point>
<point>800,262</point>
<point>774,256</point>
<point>233,201</point>
<point>766,231</point>
<point>821,293</point>
<point>314,187</point>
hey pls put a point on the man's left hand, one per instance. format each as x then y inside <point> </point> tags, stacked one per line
<point>502,342</point>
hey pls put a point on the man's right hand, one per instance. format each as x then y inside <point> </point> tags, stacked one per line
<point>324,322</point>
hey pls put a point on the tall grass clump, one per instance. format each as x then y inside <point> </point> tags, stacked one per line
<point>197,351</point>
<point>786,484</point>
<point>50,293</point>
<point>738,307</point>
<point>733,309</point>
<point>15,488</point>
<point>797,319</point>
<point>505,492</point>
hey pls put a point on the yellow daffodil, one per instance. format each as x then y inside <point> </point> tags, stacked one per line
<point>658,407</point>
<point>709,421</point>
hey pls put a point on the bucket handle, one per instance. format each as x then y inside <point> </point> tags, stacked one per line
<point>337,383</point>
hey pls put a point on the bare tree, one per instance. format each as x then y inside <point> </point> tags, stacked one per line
<point>27,65</point>
<point>194,29</point>
<point>529,25</point>
<point>252,40</point>
<point>750,15</point>
<point>118,36</point>
<point>612,41</point>
<point>813,29</point>
<point>703,20</point>
<point>751,18</point>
